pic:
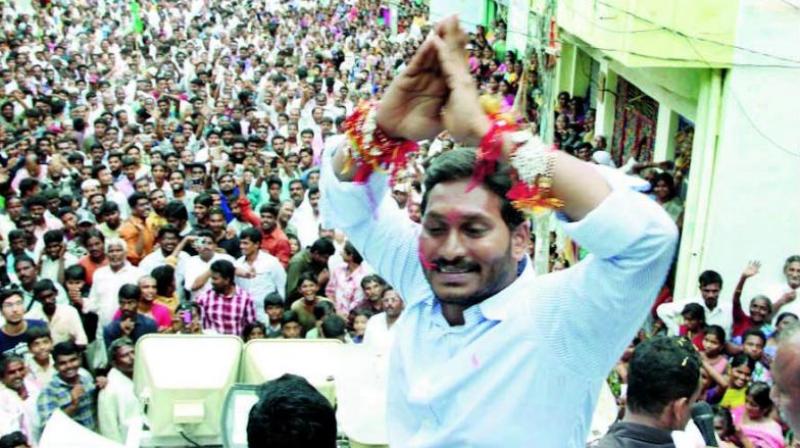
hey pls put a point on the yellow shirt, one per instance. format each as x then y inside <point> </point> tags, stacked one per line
<point>170,302</point>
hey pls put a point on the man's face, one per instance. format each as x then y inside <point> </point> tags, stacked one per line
<point>37,212</point>
<point>13,309</point>
<point>53,250</point>
<point>67,367</point>
<point>219,283</point>
<point>415,213</point>
<point>168,242</point>
<point>40,348</point>
<point>753,347</point>
<point>95,203</point>
<point>142,208</point>
<point>274,312</point>
<point>275,192</point>
<point>116,256</point>
<point>278,145</point>
<point>127,304</point>
<point>786,386</point>
<point>710,294</point>
<point>466,249</point>
<point>792,272</point>
<point>268,222</point>
<point>248,247</point>
<point>158,200</point>
<point>148,287</point>
<point>392,303</point>
<point>176,181</point>
<point>200,211</point>
<point>319,259</point>
<point>216,222</point>
<point>124,358</point>
<point>14,375</point>
<point>95,248</point>
<point>226,184</point>
<point>373,291</point>
<point>26,272</point>
<point>48,300</point>
<point>14,208</point>
<point>296,192</point>
<point>291,330</point>
<point>313,199</point>
<point>206,247</point>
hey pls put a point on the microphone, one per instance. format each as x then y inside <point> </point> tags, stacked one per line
<point>703,418</point>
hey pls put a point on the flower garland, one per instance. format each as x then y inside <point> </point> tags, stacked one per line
<point>371,149</point>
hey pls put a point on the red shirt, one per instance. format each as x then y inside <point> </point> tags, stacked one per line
<point>274,242</point>
<point>90,267</point>
<point>227,314</point>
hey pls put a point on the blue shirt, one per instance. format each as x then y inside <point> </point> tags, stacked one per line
<point>526,367</point>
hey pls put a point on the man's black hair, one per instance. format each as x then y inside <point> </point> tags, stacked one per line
<point>176,210</point>
<point>53,236</point>
<point>291,413</point>
<point>13,440</point>
<point>250,234</point>
<point>224,268</point>
<point>65,348</point>
<point>459,164</point>
<point>662,370</point>
<point>134,199</point>
<point>164,276</point>
<point>323,246</point>
<point>710,278</point>
<point>333,326</point>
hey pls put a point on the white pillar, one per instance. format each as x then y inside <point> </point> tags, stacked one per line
<point>666,127</point>
<point>606,103</point>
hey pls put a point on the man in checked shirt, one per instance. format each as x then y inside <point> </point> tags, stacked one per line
<point>226,308</point>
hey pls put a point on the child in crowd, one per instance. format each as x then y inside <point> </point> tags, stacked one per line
<point>254,330</point>
<point>757,426</point>
<point>40,363</point>
<point>78,293</point>
<point>321,310</point>
<point>753,342</point>
<point>731,394</point>
<point>784,321</point>
<point>273,307</point>
<point>359,326</point>
<point>291,327</point>
<point>307,288</point>
<point>714,361</point>
<point>694,322</point>
<point>334,326</point>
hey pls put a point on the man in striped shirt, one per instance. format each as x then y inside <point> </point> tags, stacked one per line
<point>226,308</point>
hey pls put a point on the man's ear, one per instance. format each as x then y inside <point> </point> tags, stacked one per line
<point>519,240</point>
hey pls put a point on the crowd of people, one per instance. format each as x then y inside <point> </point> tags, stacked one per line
<point>161,174</point>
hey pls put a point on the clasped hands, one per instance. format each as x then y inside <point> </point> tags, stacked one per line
<point>435,92</point>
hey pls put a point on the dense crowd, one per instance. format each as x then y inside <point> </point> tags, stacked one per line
<point>160,175</point>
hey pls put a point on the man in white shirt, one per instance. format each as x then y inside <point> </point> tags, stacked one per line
<point>716,313</point>
<point>117,405</point>
<point>268,273</point>
<point>103,297</point>
<point>198,272</point>
<point>63,320</point>
<point>378,336</point>
<point>55,257</point>
<point>477,338</point>
<point>784,295</point>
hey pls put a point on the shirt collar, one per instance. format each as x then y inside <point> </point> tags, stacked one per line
<point>499,305</point>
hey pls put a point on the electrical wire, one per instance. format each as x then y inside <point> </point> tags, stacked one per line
<point>186,438</point>
<point>747,116</point>
<point>702,39</point>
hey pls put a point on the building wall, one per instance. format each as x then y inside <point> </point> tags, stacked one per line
<point>753,205</point>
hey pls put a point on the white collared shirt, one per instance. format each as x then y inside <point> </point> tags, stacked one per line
<point>270,276</point>
<point>526,367</point>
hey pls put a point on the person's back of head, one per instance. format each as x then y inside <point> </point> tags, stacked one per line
<point>664,380</point>
<point>291,413</point>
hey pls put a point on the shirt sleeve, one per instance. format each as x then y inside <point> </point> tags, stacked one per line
<point>376,227</point>
<point>107,416</point>
<point>594,309</point>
